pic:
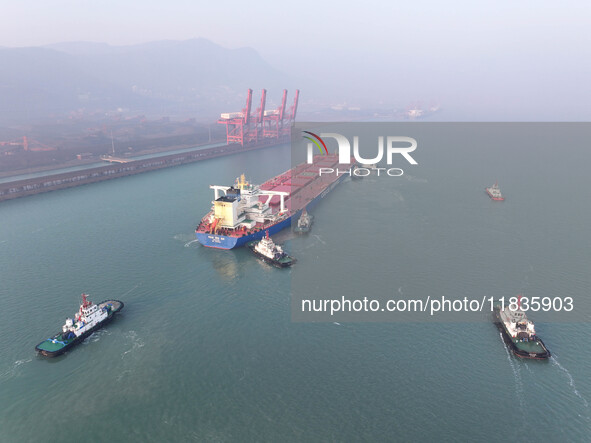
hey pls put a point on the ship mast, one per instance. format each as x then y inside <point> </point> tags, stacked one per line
<point>85,302</point>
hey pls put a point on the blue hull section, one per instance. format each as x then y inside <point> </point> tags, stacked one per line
<point>225,242</point>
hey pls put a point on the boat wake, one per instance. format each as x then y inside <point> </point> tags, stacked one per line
<point>319,239</point>
<point>122,374</point>
<point>412,178</point>
<point>528,368</point>
<point>398,195</point>
<point>136,342</point>
<point>135,287</point>
<point>571,380</point>
<point>519,391</point>
<point>184,237</point>
<point>14,369</point>
<point>95,336</point>
<point>188,244</point>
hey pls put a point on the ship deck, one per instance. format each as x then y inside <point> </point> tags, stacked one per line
<point>303,184</point>
<point>116,305</point>
<point>286,259</point>
<point>529,346</point>
<point>52,344</point>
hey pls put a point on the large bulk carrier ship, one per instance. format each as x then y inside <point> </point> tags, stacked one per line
<point>244,212</point>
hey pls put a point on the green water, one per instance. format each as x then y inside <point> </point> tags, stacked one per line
<point>205,348</point>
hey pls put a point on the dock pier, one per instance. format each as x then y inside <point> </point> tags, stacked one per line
<point>53,182</point>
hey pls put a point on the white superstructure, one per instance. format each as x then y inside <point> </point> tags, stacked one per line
<point>414,113</point>
<point>86,318</point>
<point>268,248</point>
<point>494,192</point>
<point>243,205</point>
<point>516,324</point>
<point>304,220</point>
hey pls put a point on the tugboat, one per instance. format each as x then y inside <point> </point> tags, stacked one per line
<point>268,251</point>
<point>372,166</point>
<point>519,333</point>
<point>88,319</point>
<point>304,223</point>
<point>494,192</point>
<point>361,170</point>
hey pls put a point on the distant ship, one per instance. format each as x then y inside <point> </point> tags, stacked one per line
<point>362,170</point>
<point>271,253</point>
<point>88,319</point>
<point>519,333</point>
<point>243,212</point>
<point>494,192</point>
<point>414,113</point>
<point>304,223</point>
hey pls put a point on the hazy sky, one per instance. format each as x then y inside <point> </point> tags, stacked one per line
<point>271,25</point>
<point>503,51</point>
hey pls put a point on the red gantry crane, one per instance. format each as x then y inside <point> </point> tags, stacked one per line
<point>274,119</point>
<point>28,144</point>
<point>291,115</point>
<point>259,118</point>
<point>243,128</point>
<point>237,122</point>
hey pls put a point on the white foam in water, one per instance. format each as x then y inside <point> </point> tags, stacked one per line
<point>91,339</point>
<point>336,323</point>
<point>122,374</point>
<point>517,375</point>
<point>95,336</point>
<point>412,178</point>
<point>135,287</point>
<point>319,239</point>
<point>184,237</point>
<point>136,342</point>
<point>13,370</point>
<point>398,195</point>
<point>190,243</point>
<point>571,380</point>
